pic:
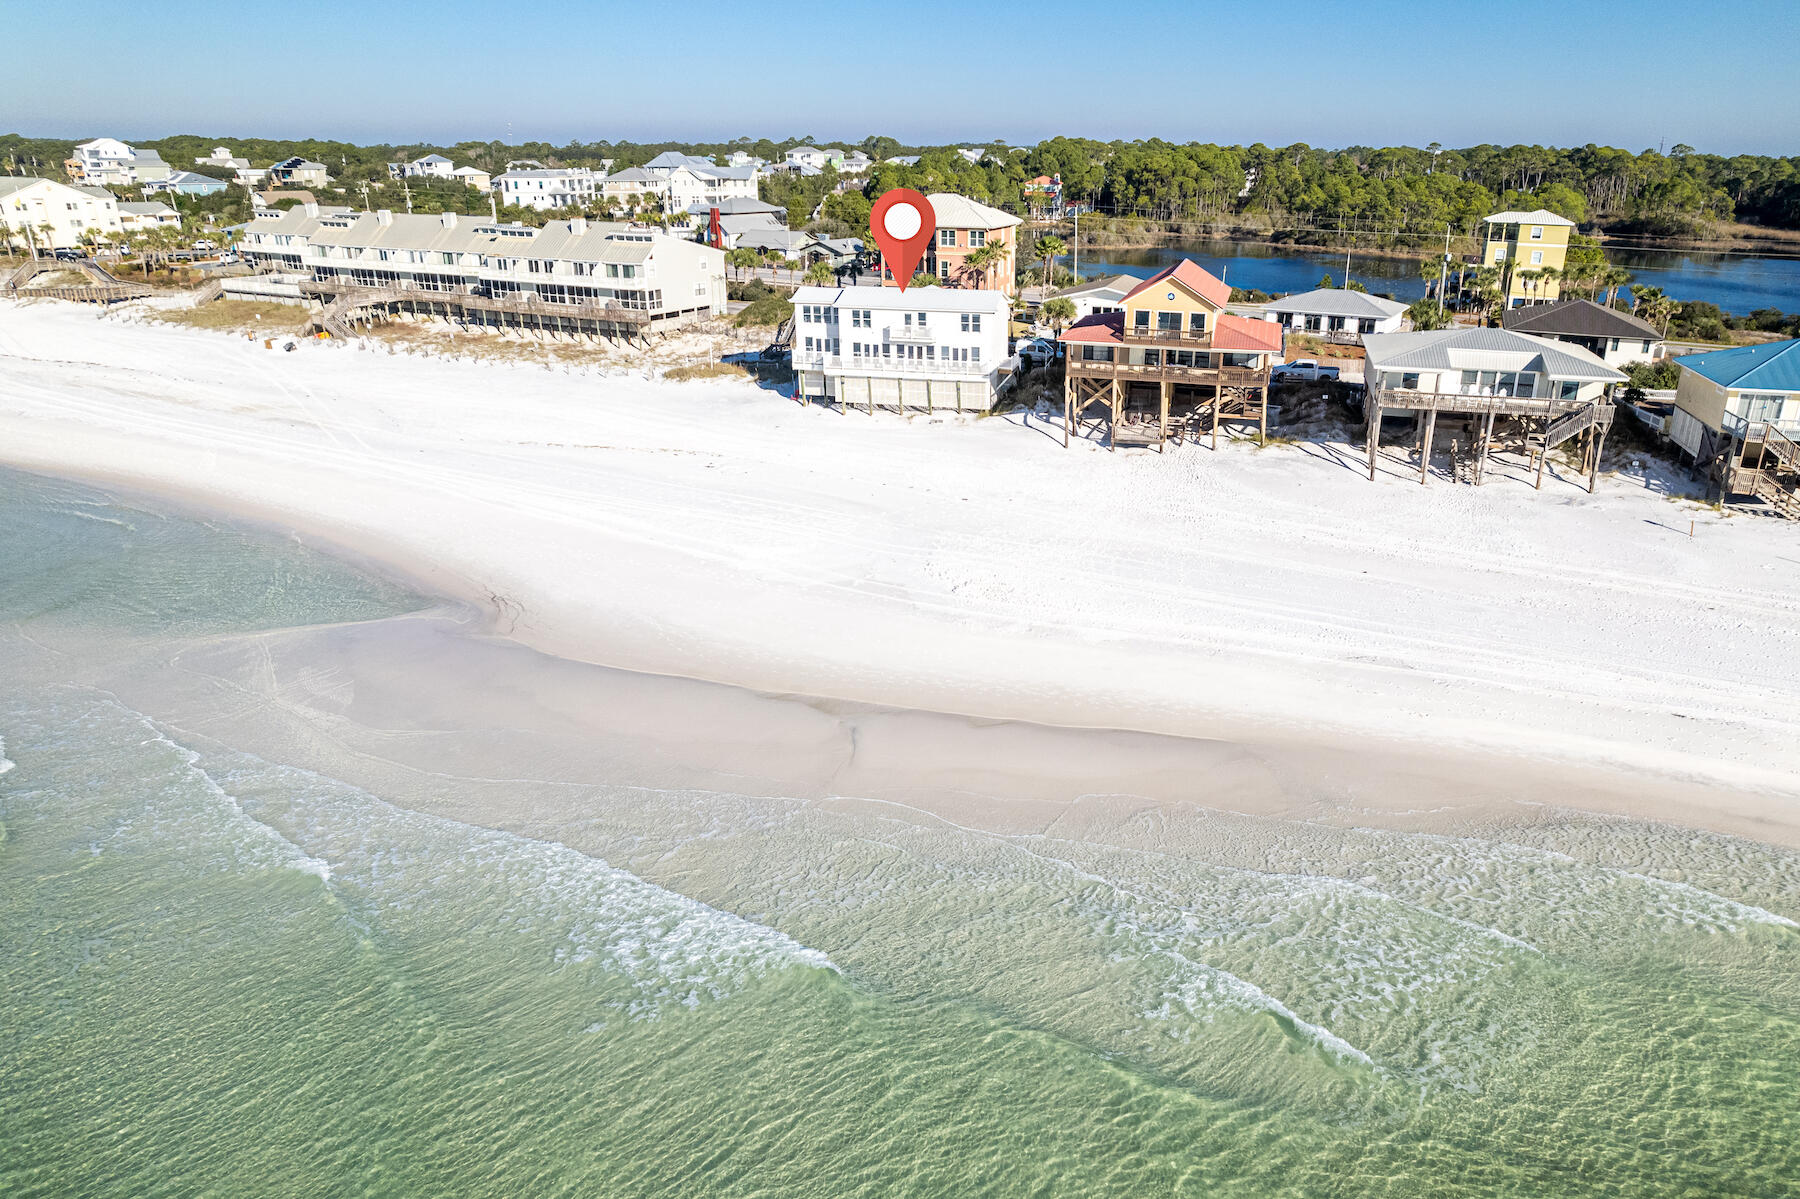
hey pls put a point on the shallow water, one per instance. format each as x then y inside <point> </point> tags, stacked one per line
<point>224,973</point>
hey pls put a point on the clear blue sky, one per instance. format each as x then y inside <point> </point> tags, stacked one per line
<point>1327,72</point>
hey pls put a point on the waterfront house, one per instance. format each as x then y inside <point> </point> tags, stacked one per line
<point>1615,337</point>
<point>1170,362</point>
<point>28,204</point>
<point>142,217</point>
<point>1337,314</point>
<point>1101,294</point>
<point>928,348</point>
<point>1522,244</point>
<point>1539,392</point>
<point>572,276</point>
<point>1737,415</point>
<point>548,188</point>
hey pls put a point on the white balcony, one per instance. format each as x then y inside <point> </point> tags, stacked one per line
<point>913,368</point>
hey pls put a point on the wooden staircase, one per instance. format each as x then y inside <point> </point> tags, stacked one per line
<point>1768,468</point>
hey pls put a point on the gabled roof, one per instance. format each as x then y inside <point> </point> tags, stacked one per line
<point>1537,216</point>
<point>1231,334</point>
<point>960,212</point>
<point>737,206</point>
<point>1338,301</point>
<point>148,209</point>
<point>1192,276</point>
<point>431,158</point>
<point>628,175</point>
<point>1485,350</point>
<point>1113,283</point>
<point>1772,366</point>
<point>1578,318</point>
<point>670,159</point>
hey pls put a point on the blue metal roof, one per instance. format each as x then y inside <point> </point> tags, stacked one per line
<point>1772,366</point>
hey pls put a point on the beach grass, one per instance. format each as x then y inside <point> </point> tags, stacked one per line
<point>262,316</point>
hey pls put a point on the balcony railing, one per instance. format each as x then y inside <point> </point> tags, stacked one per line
<point>1757,430</point>
<point>1183,337</point>
<point>1214,376</point>
<point>1457,401</point>
<point>865,364</point>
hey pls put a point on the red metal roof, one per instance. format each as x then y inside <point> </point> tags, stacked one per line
<point>1246,334</point>
<point>1192,276</point>
<point>1103,328</point>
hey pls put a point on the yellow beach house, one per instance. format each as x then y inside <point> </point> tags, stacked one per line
<point>1529,242</point>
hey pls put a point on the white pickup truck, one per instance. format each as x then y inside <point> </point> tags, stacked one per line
<point>1304,370</point>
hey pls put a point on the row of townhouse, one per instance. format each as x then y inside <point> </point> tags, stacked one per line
<point>47,215</point>
<point>679,182</point>
<point>566,263</point>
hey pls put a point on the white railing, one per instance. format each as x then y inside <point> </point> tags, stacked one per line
<point>864,364</point>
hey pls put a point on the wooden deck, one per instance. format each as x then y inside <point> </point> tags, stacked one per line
<point>1558,421</point>
<point>1238,394</point>
<point>345,303</point>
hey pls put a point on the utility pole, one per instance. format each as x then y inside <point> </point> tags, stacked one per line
<point>1346,255</point>
<point>1444,269</point>
<point>1076,243</point>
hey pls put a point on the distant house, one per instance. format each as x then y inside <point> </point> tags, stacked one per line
<point>808,156</point>
<point>1615,337</point>
<point>298,172</point>
<point>548,188</point>
<point>141,217</point>
<point>473,177</point>
<point>271,199</point>
<point>1044,193</point>
<point>1099,295</point>
<point>48,215</point>
<point>100,162</point>
<point>432,166</point>
<point>222,157</point>
<point>1337,314</point>
<point>903,160</point>
<point>1728,397</point>
<point>186,183</point>
<point>793,244</point>
<point>624,187</point>
<point>1530,242</point>
<point>855,163</point>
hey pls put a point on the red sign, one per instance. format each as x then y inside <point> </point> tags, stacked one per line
<point>903,224</point>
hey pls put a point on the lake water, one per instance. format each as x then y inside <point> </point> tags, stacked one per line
<point>1737,283</point>
<point>222,972</point>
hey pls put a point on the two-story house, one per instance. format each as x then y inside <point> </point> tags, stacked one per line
<point>548,188</point>
<point>926,348</point>
<point>1170,360</point>
<point>1521,244</point>
<point>298,172</point>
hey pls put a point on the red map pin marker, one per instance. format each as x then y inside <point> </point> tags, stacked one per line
<point>903,224</point>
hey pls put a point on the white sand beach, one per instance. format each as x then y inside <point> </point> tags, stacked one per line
<point>717,531</point>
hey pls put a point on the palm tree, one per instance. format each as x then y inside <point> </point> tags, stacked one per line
<point>985,258</point>
<point>1612,279</point>
<point>1547,278</point>
<point>743,259</point>
<point>819,274</point>
<point>1050,248</point>
<point>1058,310</point>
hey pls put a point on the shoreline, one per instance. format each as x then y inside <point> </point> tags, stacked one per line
<point>938,665</point>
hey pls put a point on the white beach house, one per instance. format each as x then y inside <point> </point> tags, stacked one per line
<point>1337,314</point>
<point>548,188</point>
<point>926,347</point>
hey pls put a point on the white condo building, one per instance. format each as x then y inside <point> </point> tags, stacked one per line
<point>926,347</point>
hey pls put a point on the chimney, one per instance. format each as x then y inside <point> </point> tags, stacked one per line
<point>449,220</point>
<point>578,225</point>
<point>384,216</point>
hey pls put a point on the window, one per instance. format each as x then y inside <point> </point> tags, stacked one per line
<point>861,318</point>
<point>971,322</point>
<point>1760,407</point>
<point>943,268</point>
<point>1154,357</point>
<point>1196,323</point>
<point>1140,320</point>
<point>1366,325</point>
<point>1568,389</point>
<point>1537,257</point>
<point>977,237</point>
<point>1409,381</point>
<point>612,270</point>
<point>1091,353</point>
<point>921,320</point>
<point>946,237</point>
<point>1646,345</point>
<point>1336,325</point>
<point>1612,346</point>
<point>1168,322</point>
<point>1537,233</point>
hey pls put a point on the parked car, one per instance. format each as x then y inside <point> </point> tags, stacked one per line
<point>68,254</point>
<point>1304,370</point>
<point>203,244</point>
<point>1034,352</point>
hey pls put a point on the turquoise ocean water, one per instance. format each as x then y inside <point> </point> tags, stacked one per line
<point>222,974</point>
